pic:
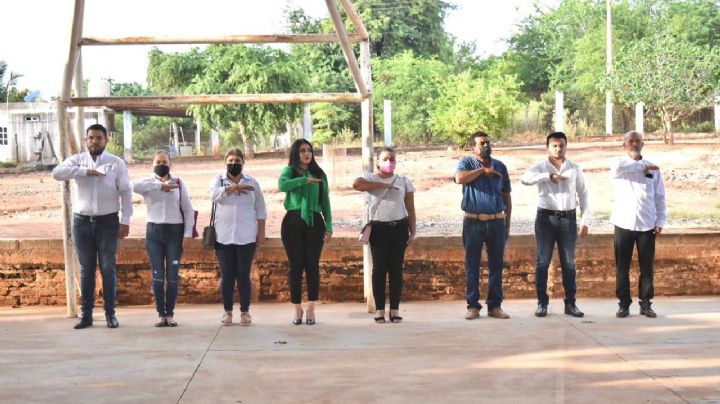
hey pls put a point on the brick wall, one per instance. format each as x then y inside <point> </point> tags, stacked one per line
<point>31,271</point>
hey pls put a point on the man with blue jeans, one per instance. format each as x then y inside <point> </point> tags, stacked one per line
<point>561,188</point>
<point>102,189</point>
<point>487,206</point>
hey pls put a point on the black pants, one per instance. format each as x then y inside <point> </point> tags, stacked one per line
<point>235,264</point>
<point>625,241</point>
<point>388,241</point>
<point>303,245</point>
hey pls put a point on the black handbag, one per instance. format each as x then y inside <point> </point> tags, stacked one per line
<point>209,236</point>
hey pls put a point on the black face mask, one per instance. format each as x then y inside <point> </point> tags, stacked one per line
<point>234,169</point>
<point>161,170</point>
<point>486,151</point>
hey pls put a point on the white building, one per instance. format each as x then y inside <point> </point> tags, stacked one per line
<point>29,133</point>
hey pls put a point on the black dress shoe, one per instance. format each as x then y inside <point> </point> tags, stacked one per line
<point>647,311</point>
<point>111,321</point>
<point>622,312</point>
<point>83,323</point>
<point>571,309</point>
<point>541,310</point>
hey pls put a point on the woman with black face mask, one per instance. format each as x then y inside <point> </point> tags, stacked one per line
<point>240,228</point>
<point>170,217</point>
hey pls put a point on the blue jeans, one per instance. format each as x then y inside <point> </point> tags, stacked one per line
<point>96,239</point>
<point>235,264</point>
<point>549,230</point>
<point>492,234</point>
<point>164,244</point>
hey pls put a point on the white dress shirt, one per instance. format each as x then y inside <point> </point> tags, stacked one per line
<point>98,195</point>
<point>567,194</point>
<point>639,200</point>
<point>164,207</point>
<point>237,214</point>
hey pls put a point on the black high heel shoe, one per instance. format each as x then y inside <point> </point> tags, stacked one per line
<point>298,321</point>
<point>394,319</point>
<point>310,321</point>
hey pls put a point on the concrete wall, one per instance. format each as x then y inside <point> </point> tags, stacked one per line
<point>31,271</point>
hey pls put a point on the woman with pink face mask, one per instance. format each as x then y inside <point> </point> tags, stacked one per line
<point>392,215</point>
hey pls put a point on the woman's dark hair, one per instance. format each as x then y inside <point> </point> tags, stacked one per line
<point>294,160</point>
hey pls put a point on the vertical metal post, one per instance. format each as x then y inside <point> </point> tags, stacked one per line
<point>127,135</point>
<point>387,121</point>
<point>640,117</point>
<point>197,137</point>
<point>559,111</point>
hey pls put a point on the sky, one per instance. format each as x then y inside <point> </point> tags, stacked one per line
<point>36,33</point>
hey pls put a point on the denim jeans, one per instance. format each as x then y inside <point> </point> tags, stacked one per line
<point>550,230</point>
<point>492,234</point>
<point>96,239</point>
<point>388,241</point>
<point>625,241</point>
<point>235,264</point>
<point>164,244</point>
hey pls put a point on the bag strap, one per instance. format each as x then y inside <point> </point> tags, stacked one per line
<point>180,199</point>
<point>377,205</point>
<point>214,207</point>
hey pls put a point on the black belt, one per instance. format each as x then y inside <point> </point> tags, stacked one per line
<point>557,213</point>
<point>96,218</point>
<point>393,223</point>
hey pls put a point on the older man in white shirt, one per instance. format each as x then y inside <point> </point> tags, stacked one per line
<point>561,188</point>
<point>639,214</point>
<point>102,189</point>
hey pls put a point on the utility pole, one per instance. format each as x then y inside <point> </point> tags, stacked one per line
<point>608,57</point>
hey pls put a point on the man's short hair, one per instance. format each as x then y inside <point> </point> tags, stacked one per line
<point>96,126</point>
<point>627,135</point>
<point>555,135</point>
<point>471,140</point>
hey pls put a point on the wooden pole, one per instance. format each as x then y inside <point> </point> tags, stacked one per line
<point>366,112</point>
<point>207,99</point>
<point>226,39</point>
<point>69,146</point>
<point>360,83</point>
<point>608,67</point>
<point>355,18</point>
<point>80,111</point>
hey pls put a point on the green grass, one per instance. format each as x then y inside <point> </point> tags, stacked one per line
<point>7,164</point>
<point>684,214</point>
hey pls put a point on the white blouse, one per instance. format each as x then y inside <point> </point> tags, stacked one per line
<point>237,214</point>
<point>390,206</point>
<point>164,207</point>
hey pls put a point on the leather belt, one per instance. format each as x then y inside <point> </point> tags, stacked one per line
<point>393,223</point>
<point>93,219</point>
<point>484,217</point>
<point>558,213</point>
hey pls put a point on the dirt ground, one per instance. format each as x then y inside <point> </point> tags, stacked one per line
<point>30,203</point>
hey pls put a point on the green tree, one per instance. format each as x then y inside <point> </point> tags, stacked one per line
<point>240,69</point>
<point>672,76</point>
<point>8,90</point>
<point>468,104</point>
<point>411,84</point>
<point>172,73</point>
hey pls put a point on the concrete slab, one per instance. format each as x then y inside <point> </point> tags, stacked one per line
<point>433,356</point>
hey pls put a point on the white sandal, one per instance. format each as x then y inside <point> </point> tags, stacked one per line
<point>227,318</point>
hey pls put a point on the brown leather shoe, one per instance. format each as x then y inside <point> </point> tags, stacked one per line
<point>498,313</point>
<point>472,314</point>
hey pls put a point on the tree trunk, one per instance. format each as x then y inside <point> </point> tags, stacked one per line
<point>249,151</point>
<point>667,129</point>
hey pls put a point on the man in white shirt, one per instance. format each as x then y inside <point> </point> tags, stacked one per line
<point>561,188</point>
<point>103,188</point>
<point>639,214</point>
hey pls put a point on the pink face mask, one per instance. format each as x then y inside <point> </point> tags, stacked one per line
<point>388,167</point>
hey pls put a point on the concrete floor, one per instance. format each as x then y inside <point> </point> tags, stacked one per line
<point>433,356</point>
